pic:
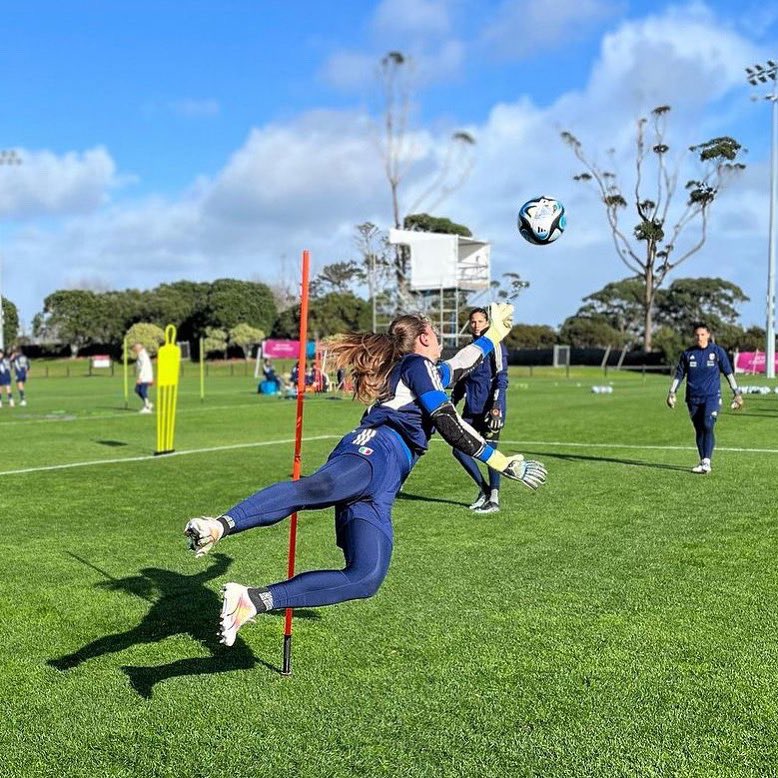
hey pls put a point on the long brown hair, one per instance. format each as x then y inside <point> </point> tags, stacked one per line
<point>370,356</point>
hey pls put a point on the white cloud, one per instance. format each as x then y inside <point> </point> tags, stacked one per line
<point>306,183</point>
<point>416,18</point>
<point>520,28</point>
<point>349,70</point>
<point>46,183</point>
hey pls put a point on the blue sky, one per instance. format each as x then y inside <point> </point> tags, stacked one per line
<point>167,140</point>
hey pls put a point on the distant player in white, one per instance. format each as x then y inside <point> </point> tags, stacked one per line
<point>5,379</point>
<point>144,376</point>
<point>21,367</point>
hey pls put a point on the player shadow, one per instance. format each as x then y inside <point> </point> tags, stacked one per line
<point>180,604</point>
<point>424,498</point>
<point>615,460</point>
<point>111,443</point>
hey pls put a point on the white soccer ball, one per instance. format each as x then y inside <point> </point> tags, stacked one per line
<point>542,220</point>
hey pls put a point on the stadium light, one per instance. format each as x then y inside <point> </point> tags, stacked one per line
<point>7,157</point>
<point>758,75</point>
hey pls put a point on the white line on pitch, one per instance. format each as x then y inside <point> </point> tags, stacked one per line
<point>148,457</point>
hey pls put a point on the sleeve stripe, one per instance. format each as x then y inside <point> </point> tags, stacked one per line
<point>445,374</point>
<point>485,453</point>
<point>431,401</point>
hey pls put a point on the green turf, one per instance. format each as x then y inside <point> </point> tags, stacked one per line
<point>619,622</point>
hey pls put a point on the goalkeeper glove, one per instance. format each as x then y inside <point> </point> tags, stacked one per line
<point>500,322</point>
<point>737,402</point>
<point>494,421</point>
<point>670,400</point>
<point>531,473</point>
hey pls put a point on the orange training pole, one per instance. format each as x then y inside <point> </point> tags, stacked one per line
<point>298,442</point>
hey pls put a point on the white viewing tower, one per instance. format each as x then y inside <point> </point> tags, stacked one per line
<point>444,270</point>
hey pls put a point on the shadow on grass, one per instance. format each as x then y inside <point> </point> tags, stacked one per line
<point>111,443</point>
<point>424,498</point>
<point>180,604</point>
<point>615,460</point>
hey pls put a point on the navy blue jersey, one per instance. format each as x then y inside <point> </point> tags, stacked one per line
<point>702,368</point>
<point>485,387</point>
<point>20,364</point>
<point>415,389</point>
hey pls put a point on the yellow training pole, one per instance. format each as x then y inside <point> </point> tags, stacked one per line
<point>126,377</point>
<point>202,370</point>
<point>168,372</point>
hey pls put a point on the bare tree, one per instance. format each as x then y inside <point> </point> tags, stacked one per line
<point>395,75</point>
<point>649,251</point>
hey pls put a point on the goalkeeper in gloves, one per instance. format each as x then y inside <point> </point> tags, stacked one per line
<point>702,366</point>
<point>484,391</point>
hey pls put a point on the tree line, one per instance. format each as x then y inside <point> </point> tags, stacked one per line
<point>234,313</point>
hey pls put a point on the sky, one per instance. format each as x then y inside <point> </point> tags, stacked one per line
<point>167,140</point>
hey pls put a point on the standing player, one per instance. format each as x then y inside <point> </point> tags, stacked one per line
<point>484,392</point>
<point>5,379</point>
<point>701,365</point>
<point>21,367</point>
<point>395,371</point>
<point>144,376</point>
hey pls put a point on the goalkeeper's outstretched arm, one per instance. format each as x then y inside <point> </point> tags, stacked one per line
<point>460,435</point>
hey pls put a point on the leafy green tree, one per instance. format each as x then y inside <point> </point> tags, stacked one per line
<point>73,316</point>
<point>327,315</point>
<point>423,222</point>
<point>650,253</point>
<point>183,303</point>
<point>621,303</point>
<point>591,331</point>
<point>244,336</point>
<point>531,336</point>
<point>10,323</point>
<point>670,342</point>
<point>215,340</point>
<point>338,277</point>
<point>689,300</point>
<point>752,339</point>
<point>232,302</point>
<point>147,334</point>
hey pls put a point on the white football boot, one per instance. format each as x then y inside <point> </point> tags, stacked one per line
<point>480,501</point>
<point>237,609</point>
<point>204,533</point>
<point>703,468</point>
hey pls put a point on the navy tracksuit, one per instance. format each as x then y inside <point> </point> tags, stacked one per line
<point>702,368</point>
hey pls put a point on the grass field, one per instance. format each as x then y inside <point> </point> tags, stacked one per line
<point>619,622</point>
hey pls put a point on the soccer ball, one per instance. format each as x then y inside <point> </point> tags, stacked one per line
<point>542,220</point>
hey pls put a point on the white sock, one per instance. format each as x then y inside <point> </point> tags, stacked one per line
<point>495,496</point>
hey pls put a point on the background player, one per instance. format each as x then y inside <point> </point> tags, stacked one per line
<point>5,380</point>
<point>701,365</point>
<point>396,372</point>
<point>484,390</point>
<point>21,368</point>
<point>144,376</point>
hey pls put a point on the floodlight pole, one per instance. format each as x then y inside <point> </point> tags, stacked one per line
<point>758,75</point>
<point>7,157</point>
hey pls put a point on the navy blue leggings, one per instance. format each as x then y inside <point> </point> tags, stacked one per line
<point>142,390</point>
<point>367,550</point>
<point>704,421</point>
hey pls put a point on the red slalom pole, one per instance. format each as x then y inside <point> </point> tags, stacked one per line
<point>286,668</point>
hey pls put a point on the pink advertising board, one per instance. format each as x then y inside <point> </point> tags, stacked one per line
<point>281,349</point>
<point>751,362</point>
